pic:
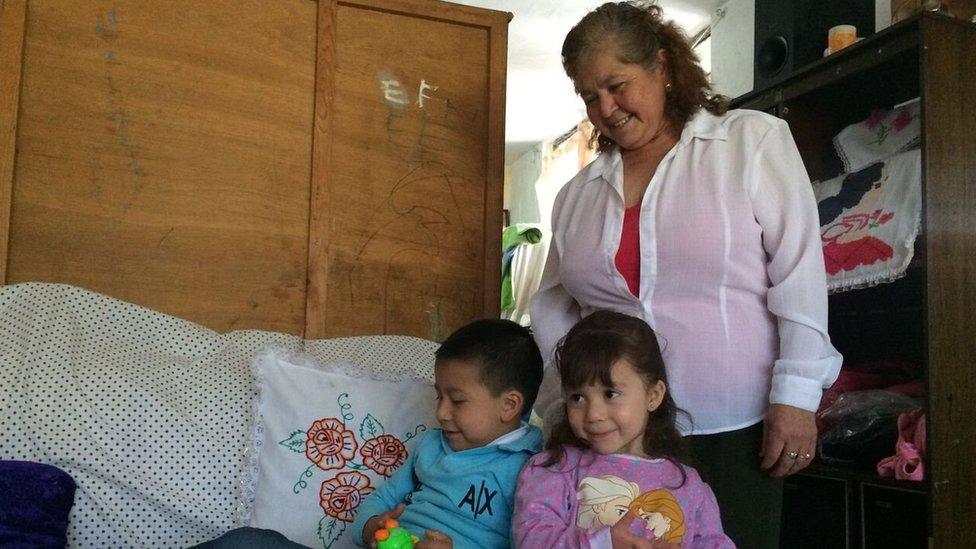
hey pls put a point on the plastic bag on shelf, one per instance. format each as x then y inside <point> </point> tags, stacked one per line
<point>861,427</point>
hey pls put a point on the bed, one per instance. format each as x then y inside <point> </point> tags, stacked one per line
<point>153,416</point>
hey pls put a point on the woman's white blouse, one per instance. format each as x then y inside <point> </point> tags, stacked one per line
<point>732,271</point>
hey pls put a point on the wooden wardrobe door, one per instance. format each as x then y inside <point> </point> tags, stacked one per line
<point>407,170</point>
<point>254,164</point>
<point>163,153</point>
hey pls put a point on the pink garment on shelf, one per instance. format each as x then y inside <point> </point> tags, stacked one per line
<point>907,463</point>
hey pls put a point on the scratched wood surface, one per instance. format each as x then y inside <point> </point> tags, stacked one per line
<point>13,15</point>
<point>163,155</point>
<point>408,218</point>
<point>327,168</point>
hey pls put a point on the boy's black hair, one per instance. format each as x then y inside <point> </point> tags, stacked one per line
<point>505,352</point>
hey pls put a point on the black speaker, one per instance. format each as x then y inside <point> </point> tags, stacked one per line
<point>793,33</point>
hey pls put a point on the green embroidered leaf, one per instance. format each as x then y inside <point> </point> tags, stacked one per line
<point>295,442</point>
<point>329,530</point>
<point>370,428</point>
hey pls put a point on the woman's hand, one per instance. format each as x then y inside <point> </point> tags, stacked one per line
<point>789,440</point>
<point>377,521</point>
<point>621,538</point>
<point>435,540</point>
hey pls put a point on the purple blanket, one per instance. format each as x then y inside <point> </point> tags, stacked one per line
<point>34,503</point>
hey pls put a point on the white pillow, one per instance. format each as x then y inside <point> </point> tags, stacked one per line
<point>324,438</point>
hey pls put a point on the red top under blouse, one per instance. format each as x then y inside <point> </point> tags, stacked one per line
<point>627,259</point>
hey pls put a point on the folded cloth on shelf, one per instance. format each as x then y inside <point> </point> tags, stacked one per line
<point>869,220</point>
<point>881,135</point>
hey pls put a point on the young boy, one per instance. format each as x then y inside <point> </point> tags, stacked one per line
<point>458,486</point>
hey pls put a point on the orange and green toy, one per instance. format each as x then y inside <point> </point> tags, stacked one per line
<point>391,536</point>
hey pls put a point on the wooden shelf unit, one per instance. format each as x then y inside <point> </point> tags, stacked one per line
<point>927,316</point>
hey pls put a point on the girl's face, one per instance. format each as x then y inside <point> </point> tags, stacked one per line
<point>625,101</point>
<point>612,420</point>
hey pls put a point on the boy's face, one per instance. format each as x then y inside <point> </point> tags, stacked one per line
<point>470,415</point>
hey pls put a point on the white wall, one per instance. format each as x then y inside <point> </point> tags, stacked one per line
<point>733,44</point>
<point>521,198</point>
<point>882,14</point>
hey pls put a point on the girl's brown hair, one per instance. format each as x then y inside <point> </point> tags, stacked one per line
<point>586,355</point>
<point>638,31</point>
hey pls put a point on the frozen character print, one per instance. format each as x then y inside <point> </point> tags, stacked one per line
<point>603,500</point>
<point>662,515</point>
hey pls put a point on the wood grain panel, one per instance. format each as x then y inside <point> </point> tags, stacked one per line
<point>12,18</point>
<point>164,155</point>
<point>949,167</point>
<point>495,169</point>
<point>319,232</point>
<point>412,197</point>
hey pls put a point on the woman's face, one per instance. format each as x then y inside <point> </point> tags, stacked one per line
<point>624,101</point>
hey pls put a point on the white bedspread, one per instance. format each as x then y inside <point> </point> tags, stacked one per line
<point>148,413</point>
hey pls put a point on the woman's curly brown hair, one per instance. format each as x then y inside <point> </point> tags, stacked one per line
<point>639,30</point>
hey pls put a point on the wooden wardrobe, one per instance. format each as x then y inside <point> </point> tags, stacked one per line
<point>929,316</point>
<point>331,168</point>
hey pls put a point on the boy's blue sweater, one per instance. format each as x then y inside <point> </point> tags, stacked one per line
<point>467,495</point>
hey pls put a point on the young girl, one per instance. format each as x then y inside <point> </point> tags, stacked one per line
<point>612,474</point>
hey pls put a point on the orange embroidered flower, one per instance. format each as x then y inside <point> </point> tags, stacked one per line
<point>341,496</point>
<point>330,444</point>
<point>383,454</point>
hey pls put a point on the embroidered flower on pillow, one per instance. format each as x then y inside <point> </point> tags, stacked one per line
<point>341,496</point>
<point>331,445</point>
<point>383,454</point>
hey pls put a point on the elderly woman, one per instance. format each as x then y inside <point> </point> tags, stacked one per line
<point>702,222</point>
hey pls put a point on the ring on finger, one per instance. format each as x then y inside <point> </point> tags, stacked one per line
<point>807,455</point>
<point>793,454</point>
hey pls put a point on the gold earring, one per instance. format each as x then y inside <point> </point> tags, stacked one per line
<point>667,88</point>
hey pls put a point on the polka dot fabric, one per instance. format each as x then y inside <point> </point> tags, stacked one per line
<point>384,357</point>
<point>150,414</point>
